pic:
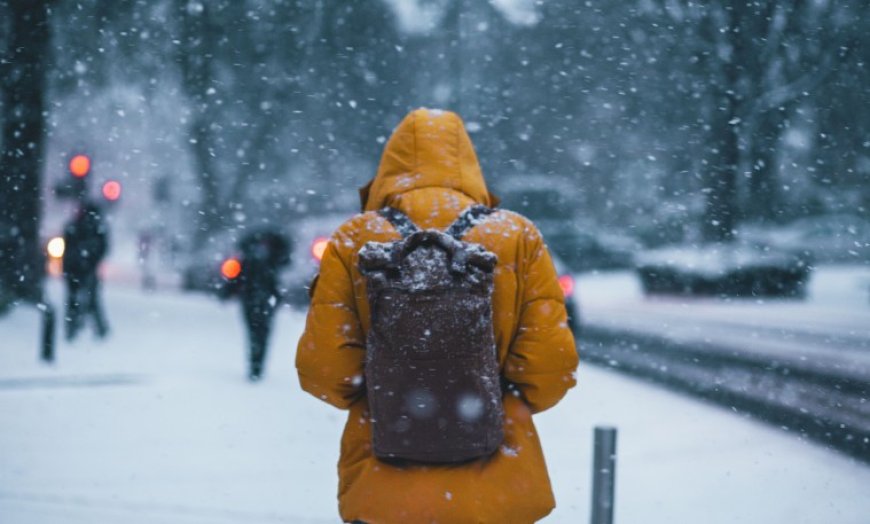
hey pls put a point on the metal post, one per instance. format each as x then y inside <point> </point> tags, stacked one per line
<point>603,475</point>
<point>47,344</point>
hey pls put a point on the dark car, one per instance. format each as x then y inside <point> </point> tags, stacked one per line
<point>315,234</point>
<point>551,203</point>
<point>311,236</point>
<point>202,270</point>
<point>733,270</point>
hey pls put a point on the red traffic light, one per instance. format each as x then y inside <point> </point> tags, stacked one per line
<point>112,190</point>
<point>80,166</point>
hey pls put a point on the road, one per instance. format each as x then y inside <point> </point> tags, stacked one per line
<point>800,364</point>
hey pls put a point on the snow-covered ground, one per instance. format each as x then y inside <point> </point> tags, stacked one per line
<point>158,425</point>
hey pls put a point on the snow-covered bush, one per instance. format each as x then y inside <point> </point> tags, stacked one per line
<point>724,269</point>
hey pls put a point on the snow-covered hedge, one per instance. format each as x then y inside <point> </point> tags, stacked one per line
<point>723,269</point>
<point>827,238</point>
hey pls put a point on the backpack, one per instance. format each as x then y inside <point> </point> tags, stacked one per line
<point>431,369</point>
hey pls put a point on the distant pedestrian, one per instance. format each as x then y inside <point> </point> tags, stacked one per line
<point>439,323</point>
<point>86,243</point>
<point>263,254</point>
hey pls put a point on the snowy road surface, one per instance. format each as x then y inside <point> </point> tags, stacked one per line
<point>800,363</point>
<point>157,425</point>
<point>833,323</point>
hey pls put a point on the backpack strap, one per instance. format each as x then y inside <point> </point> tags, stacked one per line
<point>469,218</point>
<point>403,224</point>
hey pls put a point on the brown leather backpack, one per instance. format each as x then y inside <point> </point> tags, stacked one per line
<point>432,374</point>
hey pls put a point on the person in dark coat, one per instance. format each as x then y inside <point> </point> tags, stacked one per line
<point>263,253</point>
<point>86,244</point>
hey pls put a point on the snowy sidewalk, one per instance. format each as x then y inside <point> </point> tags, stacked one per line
<point>158,425</point>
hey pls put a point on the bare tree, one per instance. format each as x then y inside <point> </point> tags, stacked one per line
<point>197,56</point>
<point>758,61</point>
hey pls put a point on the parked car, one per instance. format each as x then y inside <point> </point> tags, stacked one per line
<point>826,238</point>
<point>310,240</point>
<point>551,203</point>
<point>202,269</point>
<point>735,270</point>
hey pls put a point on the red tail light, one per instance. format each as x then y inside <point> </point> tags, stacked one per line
<point>231,268</point>
<point>318,247</point>
<point>566,282</point>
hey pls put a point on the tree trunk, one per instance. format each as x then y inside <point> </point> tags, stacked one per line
<point>23,80</point>
<point>720,212</point>
<point>211,215</point>
<point>720,215</point>
<point>196,56</point>
<point>763,198</point>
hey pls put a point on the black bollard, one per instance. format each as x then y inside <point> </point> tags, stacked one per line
<point>603,475</point>
<point>47,352</point>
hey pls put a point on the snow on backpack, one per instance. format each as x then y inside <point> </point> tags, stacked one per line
<point>431,368</point>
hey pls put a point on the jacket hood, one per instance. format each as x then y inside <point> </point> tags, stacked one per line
<point>430,148</point>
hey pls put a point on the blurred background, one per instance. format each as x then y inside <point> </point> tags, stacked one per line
<point>651,120</point>
<point>701,172</point>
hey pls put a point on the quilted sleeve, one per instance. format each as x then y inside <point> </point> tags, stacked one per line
<point>542,358</point>
<point>331,351</point>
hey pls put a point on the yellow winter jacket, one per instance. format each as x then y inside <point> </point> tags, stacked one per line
<point>429,170</point>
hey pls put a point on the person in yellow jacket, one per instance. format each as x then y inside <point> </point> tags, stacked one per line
<point>429,171</point>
